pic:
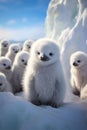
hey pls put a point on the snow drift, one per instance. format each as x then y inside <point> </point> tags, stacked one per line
<point>17,114</point>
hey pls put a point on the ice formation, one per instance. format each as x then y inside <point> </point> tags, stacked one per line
<point>61,14</point>
<point>73,33</point>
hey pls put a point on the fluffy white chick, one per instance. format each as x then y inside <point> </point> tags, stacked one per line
<point>18,69</point>
<point>5,67</point>
<point>4,45</point>
<point>78,62</point>
<point>13,50</point>
<point>5,86</point>
<point>44,82</point>
<point>27,45</point>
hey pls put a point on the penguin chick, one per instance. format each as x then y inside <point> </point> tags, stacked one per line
<point>5,67</point>
<point>27,45</point>
<point>4,45</point>
<point>5,86</point>
<point>18,69</point>
<point>13,50</point>
<point>78,62</point>
<point>43,81</point>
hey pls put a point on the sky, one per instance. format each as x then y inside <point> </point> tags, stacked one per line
<point>22,19</point>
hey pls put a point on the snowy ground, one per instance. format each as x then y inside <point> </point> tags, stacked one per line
<point>17,114</point>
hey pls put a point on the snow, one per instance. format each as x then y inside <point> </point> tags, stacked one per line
<point>18,114</point>
<point>66,23</point>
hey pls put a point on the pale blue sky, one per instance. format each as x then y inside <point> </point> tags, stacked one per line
<point>22,19</point>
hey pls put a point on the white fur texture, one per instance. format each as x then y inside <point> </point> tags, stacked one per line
<point>13,50</point>
<point>5,86</point>
<point>18,68</point>
<point>43,79</point>
<point>5,67</point>
<point>78,62</point>
<point>20,46</point>
<point>4,45</point>
<point>27,45</point>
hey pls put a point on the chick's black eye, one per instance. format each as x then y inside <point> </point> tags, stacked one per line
<point>78,61</point>
<point>51,54</point>
<point>22,60</point>
<point>4,64</point>
<point>0,84</point>
<point>38,53</point>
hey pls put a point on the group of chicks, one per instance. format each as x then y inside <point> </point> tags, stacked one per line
<point>37,72</point>
<point>13,60</point>
<point>36,68</point>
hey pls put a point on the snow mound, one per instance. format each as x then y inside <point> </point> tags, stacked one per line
<point>18,114</point>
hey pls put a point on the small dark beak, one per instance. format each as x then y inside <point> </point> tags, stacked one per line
<point>5,45</point>
<point>44,58</point>
<point>16,51</point>
<point>75,64</point>
<point>25,63</point>
<point>29,47</point>
<point>9,67</point>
